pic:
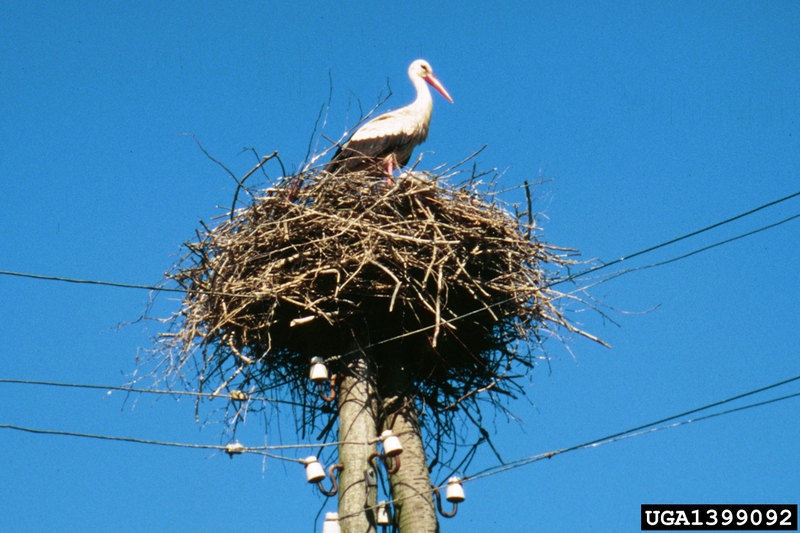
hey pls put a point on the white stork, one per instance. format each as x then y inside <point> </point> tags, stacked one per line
<point>386,142</point>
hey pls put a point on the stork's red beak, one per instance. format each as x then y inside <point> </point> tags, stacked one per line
<point>436,84</point>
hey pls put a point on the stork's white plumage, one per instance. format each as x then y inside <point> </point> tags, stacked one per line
<point>388,141</point>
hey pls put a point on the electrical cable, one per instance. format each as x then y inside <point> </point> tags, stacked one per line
<point>465,315</point>
<point>231,449</point>
<point>619,437</point>
<point>627,434</point>
<point>640,430</point>
<point>683,237</point>
<point>619,273</point>
<point>574,276</point>
<point>236,448</point>
<point>90,281</point>
<point>231,396</point>
<point>569,278</point>
<point>495,304</point>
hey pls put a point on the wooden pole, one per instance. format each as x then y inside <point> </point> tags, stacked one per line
<point>411,485</point>
<point>357,426</point>
<point>414,509</point>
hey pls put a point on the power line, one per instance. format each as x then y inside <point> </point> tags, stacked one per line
<point>90,281</point>
<point>638,431</point>
<point>686,236</point>
<point>572,277</point>
<point>496,304</point>
<point>154,288</point>
<point>231,449</point>
<point>694,252</point>
<point>635,432</point>
<point>502,302</point>
<point>632,432</point>
<point>236,395</point>
<point>236,448</point>
<point>293,446</point>
<point>465,315</point>
<point>569,278</point>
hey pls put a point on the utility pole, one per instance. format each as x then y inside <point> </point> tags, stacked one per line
<point>411,485</point>
<point>358,490</point>
<point>360,386</point>
<point>414,508</point>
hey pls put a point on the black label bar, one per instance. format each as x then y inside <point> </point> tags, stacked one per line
<point>719,517</point>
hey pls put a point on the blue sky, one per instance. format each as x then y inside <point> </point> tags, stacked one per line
<point>646,120</point>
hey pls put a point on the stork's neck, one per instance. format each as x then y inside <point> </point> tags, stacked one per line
<point>424,102</point>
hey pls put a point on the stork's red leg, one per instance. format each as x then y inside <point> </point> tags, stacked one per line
<point>390,170</point>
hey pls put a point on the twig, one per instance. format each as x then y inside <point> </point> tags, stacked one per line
<point>240,184</point>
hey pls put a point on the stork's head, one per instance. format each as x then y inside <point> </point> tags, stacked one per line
<point>422,69</point>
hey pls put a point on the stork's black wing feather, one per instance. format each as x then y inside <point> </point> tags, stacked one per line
<point>361,154</point>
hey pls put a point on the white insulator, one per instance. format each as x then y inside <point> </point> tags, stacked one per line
<point>314,470</point>
<point>382,514</point>
<point>331,524</point>
<point>234,448</point>
<point>319,372</point>
<point>391,444</point>
<point>455,492</point>
<point>238,395</point>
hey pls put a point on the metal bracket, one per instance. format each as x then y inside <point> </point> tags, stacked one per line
<point>335,487</point>
<point>328,397</point>
<point>442,512</point>
<point>371,477</point>
<point>389,470</point>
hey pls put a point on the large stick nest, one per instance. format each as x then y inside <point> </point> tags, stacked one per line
<point>442,279</point>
